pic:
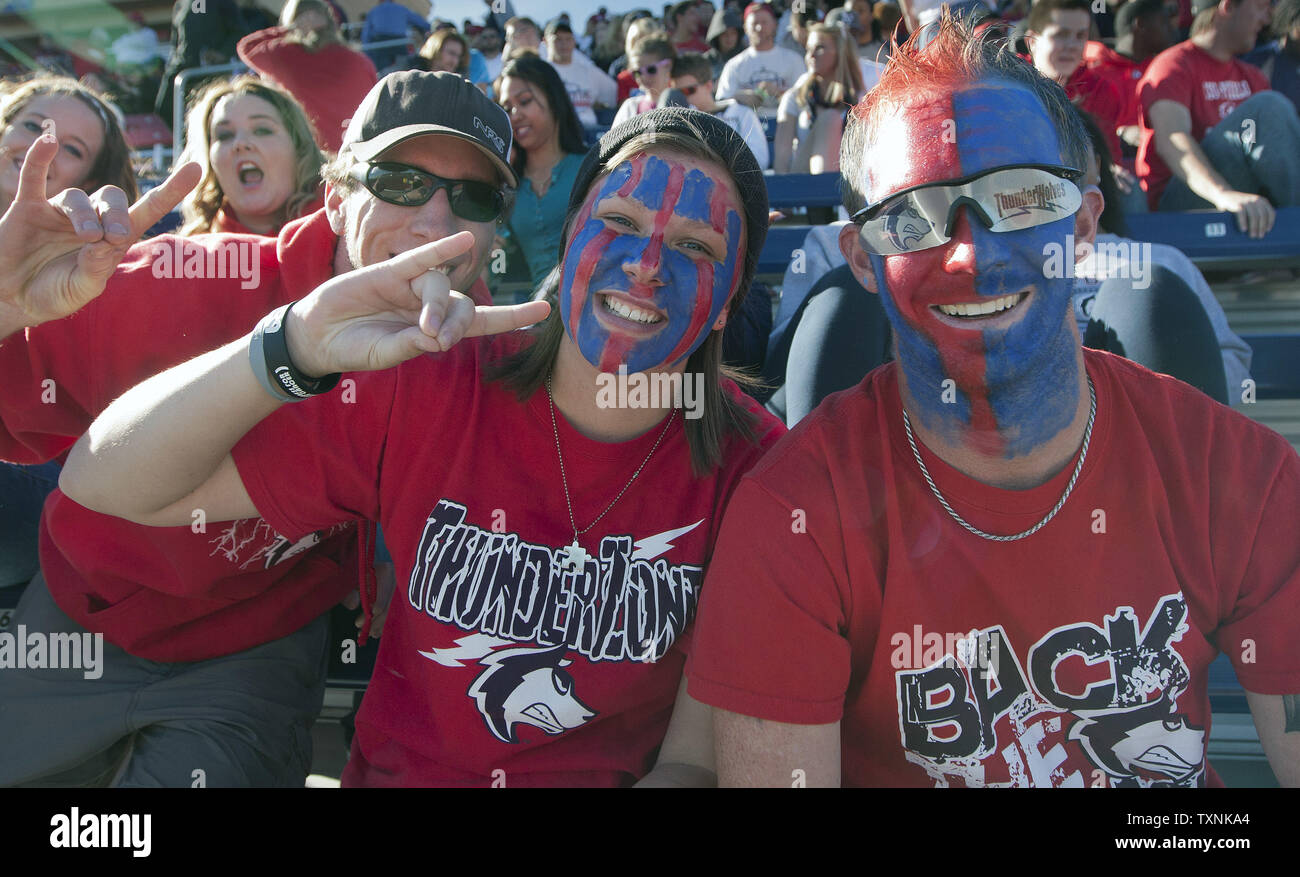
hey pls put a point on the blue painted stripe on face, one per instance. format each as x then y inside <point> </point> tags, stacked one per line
<point>1029,367</point>
<point>697,196</point>
<point>616,179</point>
<point>999,123</point>
<point>654,181</point>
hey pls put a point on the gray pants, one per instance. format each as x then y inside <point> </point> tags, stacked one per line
<point>1256,149</point>
<point>238,720</point>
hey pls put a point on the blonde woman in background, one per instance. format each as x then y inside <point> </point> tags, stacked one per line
<point>810,119</point>
<point>261,165</point>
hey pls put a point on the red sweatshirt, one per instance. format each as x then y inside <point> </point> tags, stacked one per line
<point>329,84</point>
<point>183,593</point>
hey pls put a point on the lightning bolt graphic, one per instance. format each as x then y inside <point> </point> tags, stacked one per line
<point>469,647</point>
<point>652,546</point>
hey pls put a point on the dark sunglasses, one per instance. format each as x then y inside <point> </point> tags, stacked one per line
<point>649,70</point>
<point>410,187</point>
<point>689,90</point>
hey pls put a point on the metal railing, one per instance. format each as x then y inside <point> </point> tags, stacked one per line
<point>178,98</point>
<point>184,76</point>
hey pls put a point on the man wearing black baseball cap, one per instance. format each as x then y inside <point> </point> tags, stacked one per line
<point>1213,134</point>
<point>215,641</point>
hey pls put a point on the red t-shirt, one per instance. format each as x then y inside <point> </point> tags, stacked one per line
<point>626,85</point>
<point>494,658</point>
<point>329,84</point>
<point>1123,73</point>
<point>1102,100</point>
<point>841,591</point>
<point>694,46</point>
<point>175,593</point>
<point>1209,88</point>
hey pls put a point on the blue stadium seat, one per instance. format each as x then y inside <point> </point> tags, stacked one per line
<point>168,223</point>
<point>785,191</point>
<point>1212,240</point>
<point>1275,366</point>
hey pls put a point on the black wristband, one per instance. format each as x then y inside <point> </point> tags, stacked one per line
<point>283,376</point>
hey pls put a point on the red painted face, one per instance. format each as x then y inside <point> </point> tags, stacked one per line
<point>979,309</point>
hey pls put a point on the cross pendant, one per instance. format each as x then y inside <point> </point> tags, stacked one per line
<point>575,558</point>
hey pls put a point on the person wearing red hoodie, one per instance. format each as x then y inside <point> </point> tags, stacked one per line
<point>307,56</point>
<point>214,638</point>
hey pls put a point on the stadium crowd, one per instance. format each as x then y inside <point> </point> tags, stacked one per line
<point>471,227</point>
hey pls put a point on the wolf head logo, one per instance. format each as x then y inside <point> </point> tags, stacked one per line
<point>528,686</point>
<point>906,227</point>
<point>1149,742</point>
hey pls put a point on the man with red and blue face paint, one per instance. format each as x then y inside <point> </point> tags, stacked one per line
<point>637,297</point>
<point>1002,559</point>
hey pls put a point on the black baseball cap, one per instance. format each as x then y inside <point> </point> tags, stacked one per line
<point>413,103</point>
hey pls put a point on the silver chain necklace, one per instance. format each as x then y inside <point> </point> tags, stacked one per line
<point>1083,455</point>
<point>575,557</point>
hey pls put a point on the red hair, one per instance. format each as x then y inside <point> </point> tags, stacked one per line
<point>941,59</point>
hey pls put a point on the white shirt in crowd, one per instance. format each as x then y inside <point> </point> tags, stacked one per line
<point>745,122</point>
<point>871,71</point>
<point>587,85</point>
<point>745,71</point>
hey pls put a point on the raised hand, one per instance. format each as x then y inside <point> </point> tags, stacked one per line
<point>381,315</point>
<point>56,254</point>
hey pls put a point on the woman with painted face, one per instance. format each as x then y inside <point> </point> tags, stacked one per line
<point>92,153</point>
<point>552,508</point>
<point>548,152</point>
<point>261,164</point>
<point>810,118</point>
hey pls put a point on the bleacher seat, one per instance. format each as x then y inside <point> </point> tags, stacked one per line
<point>1212,240</point>
<point>1275,366</point>
<point>786,191</point>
